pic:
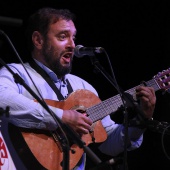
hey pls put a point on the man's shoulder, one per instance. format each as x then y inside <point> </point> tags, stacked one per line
<point>74,77</point>
<point>80,83</point>
<point>19,67</point>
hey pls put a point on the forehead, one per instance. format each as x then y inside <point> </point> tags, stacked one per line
<point>63,25</point>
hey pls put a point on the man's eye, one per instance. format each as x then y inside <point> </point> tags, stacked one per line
<point>62,36</point>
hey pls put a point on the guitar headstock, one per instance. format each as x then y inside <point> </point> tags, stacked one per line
<point>163,79</point>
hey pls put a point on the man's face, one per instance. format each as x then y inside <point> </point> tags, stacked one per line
<point>58,47</point>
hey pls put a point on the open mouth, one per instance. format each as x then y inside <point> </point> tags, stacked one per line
<point>67,57</point>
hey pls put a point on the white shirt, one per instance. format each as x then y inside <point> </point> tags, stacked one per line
<point>25,112</point>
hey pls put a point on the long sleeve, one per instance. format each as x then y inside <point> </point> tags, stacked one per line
<point>114,144</point>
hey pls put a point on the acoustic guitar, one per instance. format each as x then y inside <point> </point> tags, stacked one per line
<point>47,148</point>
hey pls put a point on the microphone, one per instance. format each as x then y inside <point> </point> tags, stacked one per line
<point>81,51</point>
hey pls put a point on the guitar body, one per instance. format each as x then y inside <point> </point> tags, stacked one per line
<point>49,151</point>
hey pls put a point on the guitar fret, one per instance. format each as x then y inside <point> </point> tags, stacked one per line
<point>154,84</point>
<point>101,110</point>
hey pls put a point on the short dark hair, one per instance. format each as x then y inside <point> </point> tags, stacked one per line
<point>41,20</point>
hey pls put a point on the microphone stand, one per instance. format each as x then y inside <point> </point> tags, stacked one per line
<point>69,131</point>
<point>126,100</point>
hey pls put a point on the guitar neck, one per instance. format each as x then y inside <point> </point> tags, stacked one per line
<point>99,111</point>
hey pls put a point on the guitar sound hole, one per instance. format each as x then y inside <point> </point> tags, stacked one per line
<point>80,111</point>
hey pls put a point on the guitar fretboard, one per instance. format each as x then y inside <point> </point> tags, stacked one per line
<point>99,111</point>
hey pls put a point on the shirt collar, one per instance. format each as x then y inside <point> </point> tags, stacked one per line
<point>53,76</point>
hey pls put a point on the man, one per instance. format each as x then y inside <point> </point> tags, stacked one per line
<point>51,37</point>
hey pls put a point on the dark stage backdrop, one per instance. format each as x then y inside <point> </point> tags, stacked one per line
<point>135,35</point>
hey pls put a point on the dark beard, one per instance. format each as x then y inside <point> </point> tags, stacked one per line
<point>60,70</point>
<point>55,66</point>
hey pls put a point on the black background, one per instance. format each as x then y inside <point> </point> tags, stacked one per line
<point>136,37</point>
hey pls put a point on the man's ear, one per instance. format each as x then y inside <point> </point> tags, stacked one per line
<point>37,39</point>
